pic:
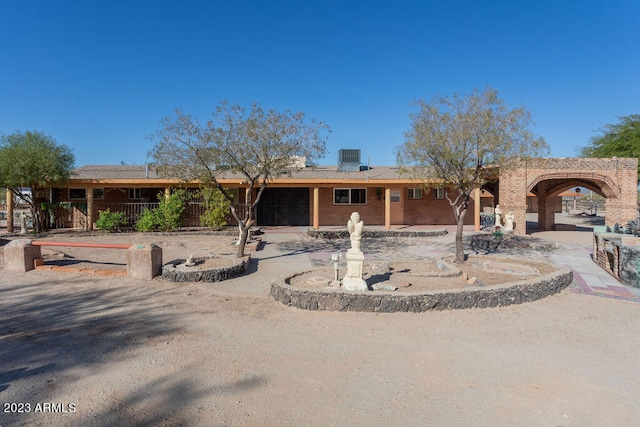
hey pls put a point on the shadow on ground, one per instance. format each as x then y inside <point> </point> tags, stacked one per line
<point>53,329</point>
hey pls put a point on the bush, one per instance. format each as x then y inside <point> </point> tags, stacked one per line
<point>110,221</point>
<point>216,208</point>
<point>148,221</point>
<point>167,216</point>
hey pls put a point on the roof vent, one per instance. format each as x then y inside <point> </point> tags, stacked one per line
<point>349,160</point>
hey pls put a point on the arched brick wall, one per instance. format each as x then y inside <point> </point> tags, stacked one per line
<point>615,179</point>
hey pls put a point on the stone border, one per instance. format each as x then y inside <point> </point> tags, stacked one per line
<point>171,273</point>
<point>390,302</point>
<point>344,234</point>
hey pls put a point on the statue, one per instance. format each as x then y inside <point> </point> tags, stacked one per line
<point>353,281</point>
<point>498,213</point>
<point>23,223</point>
<point>508,221</point>
<point>355,227</point>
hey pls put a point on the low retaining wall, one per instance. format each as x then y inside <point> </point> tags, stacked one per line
<point>172,272</point>
<point>344,234</point>
<point>391,302</point>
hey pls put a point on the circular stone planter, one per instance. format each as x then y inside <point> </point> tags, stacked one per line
<point>335,299</point>
<point>206,269</point>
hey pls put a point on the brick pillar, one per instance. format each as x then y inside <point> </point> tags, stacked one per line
<point>549,214</point>
<point>513,197</point>
<point>546,209</point>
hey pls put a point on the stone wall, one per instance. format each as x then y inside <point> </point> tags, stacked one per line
<point>344,234</point>
<point>389,302</point>
<point>174,273</point>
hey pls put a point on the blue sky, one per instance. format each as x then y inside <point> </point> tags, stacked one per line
<point>99,75</point>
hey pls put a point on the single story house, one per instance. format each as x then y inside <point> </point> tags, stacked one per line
<point>326,196</point>
<point>312,196</point>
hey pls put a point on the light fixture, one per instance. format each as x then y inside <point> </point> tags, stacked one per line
<point>379,193</point>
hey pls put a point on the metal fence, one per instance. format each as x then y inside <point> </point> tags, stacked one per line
<point>132,211</point>
<point>193,211</point>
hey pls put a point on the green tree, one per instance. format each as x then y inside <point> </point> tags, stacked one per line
<point>616,140</point>
<point>33,160</point>
<point>253,146</point>
<point>457,142</point>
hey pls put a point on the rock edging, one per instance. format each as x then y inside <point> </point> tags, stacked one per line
<point>344,234</point>
<point>174,274</point>
<point>388,302</point>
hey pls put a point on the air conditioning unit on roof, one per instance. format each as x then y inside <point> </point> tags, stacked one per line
<point>349,160</point>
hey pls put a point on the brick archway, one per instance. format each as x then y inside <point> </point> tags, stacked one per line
<point>614,179</point>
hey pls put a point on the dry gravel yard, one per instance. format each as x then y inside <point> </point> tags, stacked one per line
<point>129,352</point>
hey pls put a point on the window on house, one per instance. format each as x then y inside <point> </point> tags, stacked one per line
<point>350,196</point>
<point>414,193</point>
<point>77,194</point>
<point>98,193</point>
<point>135,194</point>
<point>438,193</point>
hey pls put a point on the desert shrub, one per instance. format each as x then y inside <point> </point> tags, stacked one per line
<point>110,221</point>
<point>216,208</point>
<point>148,221</point>
<point>167,216</point>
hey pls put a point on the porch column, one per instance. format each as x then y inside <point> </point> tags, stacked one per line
<point>316,208</point>
<point>89,192</point>
<point>167,193</point>
<point>476,209</point>
<point>387,208</point>
<point>9,211</point>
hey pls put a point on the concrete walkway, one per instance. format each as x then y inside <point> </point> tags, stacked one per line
<point>589,278</point>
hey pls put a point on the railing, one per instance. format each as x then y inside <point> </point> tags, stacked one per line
<point>66,215</point>
<point>74,215</point>
<point>132,211</point>
<point>487,221</point>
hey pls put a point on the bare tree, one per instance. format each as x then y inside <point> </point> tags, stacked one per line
<point>257,145</point>
<point>460,142</point>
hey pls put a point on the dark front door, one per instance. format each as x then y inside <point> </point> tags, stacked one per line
<point>284,206</point>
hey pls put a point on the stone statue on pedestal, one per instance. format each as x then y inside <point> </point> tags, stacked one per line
<point>23,223</point>
<point>355,227</point>
<point>498,213</point>
<point>353,281</point>
<point>508,221</point>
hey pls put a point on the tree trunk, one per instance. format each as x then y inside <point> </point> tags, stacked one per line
<point>244,234</point>
<point>35,219</point>
<point>459,229</point>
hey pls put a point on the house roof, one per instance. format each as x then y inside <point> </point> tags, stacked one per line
<point>138,174</point>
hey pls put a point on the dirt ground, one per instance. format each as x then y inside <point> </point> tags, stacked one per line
<point>428,275</point>
<point>82,349</point>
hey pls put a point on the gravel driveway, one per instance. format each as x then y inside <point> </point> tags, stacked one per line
<point>91,350</point>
